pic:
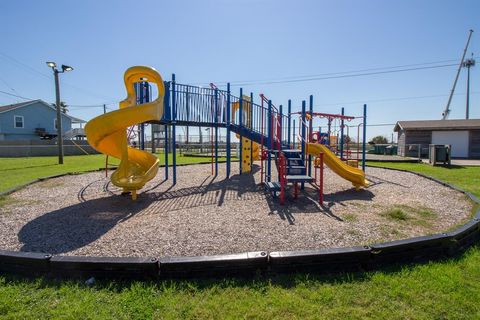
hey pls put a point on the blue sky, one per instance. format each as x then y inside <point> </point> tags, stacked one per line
<point>226,40</point>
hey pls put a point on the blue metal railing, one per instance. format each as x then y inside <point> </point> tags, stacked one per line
<point>199,105</point>
<point>208,107</point>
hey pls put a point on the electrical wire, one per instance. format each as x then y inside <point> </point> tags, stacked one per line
<point>235,84</point>
<point>35,71</point>
<point>391,99</point>
<point>352,73</point>
<point>15,95</point>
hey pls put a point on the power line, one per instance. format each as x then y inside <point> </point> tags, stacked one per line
<point>341,73</point>
<point>83,107</point>
<point>95,105</point>
<point>381,124</point>
<point>15,95</point>
<point>391,99</point>
<point>35,71</point>
<point>24,65</point>
<point>8,86</point>
<point>235,84</point>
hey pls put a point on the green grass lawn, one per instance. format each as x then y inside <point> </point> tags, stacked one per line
<point>464,177</point>
<point>17,171</point>
<point>438,290</point>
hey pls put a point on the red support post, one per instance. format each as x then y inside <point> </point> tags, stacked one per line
<point>320,189</point>
<point>282,168</point>
<point>261,143</point>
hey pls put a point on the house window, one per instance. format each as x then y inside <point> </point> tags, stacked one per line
<point>18,121</point>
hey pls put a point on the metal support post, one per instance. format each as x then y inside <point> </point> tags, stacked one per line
<point>228,131</point>
<point>364,144</point>
<point>289,133</point>
<point>216,132</point>
<point>166,103</point>
<point>251,128</point>
<point>310,130</point>
<point>240,125</point>
<point>303,133</point>
<point>174,131</point>
<point>269,128</point>
<point>342,138</point>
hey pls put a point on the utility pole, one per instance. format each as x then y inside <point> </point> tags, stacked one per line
<point>467,64</point>
<point>59,118</point>
<point>53,65</point>
<point>446,112</point>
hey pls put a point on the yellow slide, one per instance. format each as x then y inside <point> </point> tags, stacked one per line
<point>108,133</point>
<point>354,175</point>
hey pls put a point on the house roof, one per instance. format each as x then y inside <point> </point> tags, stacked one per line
<point>458,124</point>
<point>16,105</point>
<point>10,107</point>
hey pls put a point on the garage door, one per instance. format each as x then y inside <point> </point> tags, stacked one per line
<point>458,140</point>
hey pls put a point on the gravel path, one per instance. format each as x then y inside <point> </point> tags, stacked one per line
<point>86,215</point>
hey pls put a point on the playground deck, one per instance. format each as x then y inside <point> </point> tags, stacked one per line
<point>86,215</point>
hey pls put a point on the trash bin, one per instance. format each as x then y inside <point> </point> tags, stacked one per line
<point>380,149</point>
<point>439,154</point>
<point>390,150</point>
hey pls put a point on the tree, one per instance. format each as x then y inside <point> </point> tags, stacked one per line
<point>63,106</point>
<point>378,140</point>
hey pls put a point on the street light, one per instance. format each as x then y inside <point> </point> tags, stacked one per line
<point>53,65</point>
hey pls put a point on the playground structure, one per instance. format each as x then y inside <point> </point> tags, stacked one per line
<point>264,131</point>
<point>227,227</point>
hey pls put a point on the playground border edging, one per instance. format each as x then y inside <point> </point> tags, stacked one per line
<point>331,260</point>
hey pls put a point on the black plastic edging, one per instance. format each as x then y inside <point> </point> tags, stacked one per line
<point>411,250</point>
<point>322,260</point>
<point>248,263</point>
<point>25,263</point>
<point>142,268</point>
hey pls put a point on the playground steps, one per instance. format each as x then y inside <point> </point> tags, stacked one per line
<point>299,178</point>
<point>295,170</point>
<point>294,159</point>
<point>273,186</point>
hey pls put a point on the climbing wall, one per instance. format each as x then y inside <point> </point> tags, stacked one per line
<point>246,146</point>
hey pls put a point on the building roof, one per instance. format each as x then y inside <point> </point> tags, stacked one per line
<point>14,106</point>
<point>459,124</point>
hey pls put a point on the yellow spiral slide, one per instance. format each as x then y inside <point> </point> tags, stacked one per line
<point>354,175</point>
<point>108,133</point>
